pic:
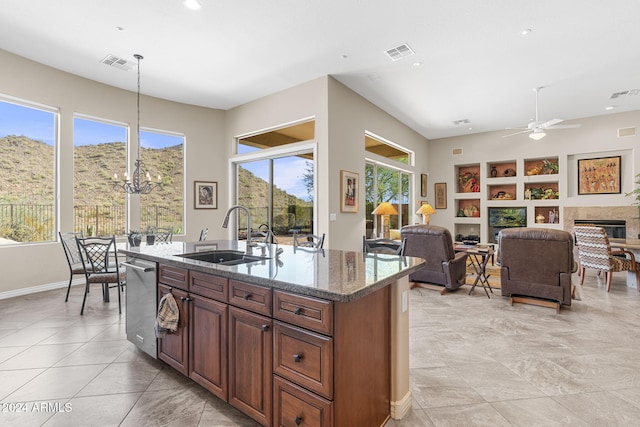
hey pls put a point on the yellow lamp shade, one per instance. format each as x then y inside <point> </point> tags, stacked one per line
<point>385,208</point>
<point>426,209</point>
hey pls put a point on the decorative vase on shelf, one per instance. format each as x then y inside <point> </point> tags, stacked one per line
<point>540,219</point>
<point>494,172</point>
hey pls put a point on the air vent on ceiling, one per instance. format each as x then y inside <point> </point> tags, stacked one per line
<point>631,92</point>
<point>626,132</point>
<point>114,61</point>
<point>456,151</point>
<point>399,52</point>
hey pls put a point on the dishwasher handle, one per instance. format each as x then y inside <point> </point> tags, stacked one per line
<point>137,267</point>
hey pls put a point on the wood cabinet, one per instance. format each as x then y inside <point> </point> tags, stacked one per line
<point>282,358</point>
<point>208,344</point>
<point>250,364</point>
<point>173,348</point>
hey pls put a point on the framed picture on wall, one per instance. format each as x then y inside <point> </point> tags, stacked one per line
<point>599,176</point>
<point>349,191</point>
<point>423,185</point>
<point>441,195</point>
<point>205,195</point>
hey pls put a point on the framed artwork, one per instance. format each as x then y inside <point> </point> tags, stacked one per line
<point>441,195</point>
<point>599,176</point>
<point>348,191</point>
<point>205,195</point>
<point>423,185</point>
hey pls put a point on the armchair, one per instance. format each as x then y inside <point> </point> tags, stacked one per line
<point>443,267</point>
<point>536,265</point>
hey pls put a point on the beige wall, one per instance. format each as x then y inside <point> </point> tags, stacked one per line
<point>31,265</point>
<point>350,116</point>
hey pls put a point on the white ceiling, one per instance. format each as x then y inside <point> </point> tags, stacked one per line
<point>475,63</point>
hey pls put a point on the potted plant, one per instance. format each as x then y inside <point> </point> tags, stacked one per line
<point>636,195</point>
<point>549,167</point>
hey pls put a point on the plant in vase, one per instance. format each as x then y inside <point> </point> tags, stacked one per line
<point>549,167</point>
<point>636,195</point>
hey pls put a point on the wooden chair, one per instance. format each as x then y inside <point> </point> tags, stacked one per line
<point>96,255</point>
<point>308,241</point>
<point>384,246</point>
<point>72,253</point>
<point>594,251</point>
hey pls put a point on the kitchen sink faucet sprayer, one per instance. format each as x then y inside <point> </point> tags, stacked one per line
<point>225,224</point>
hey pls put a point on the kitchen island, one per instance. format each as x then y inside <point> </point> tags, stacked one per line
<point>293,337</point>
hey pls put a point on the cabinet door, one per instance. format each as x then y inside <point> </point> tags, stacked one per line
<point>174,347</point>
<point>250,364</point>
<point>208,345</point>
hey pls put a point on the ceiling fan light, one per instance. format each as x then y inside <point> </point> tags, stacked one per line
<point>537,134</point>
<point>191,4</point>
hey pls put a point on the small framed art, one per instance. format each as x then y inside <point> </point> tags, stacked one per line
<point>205,195</point>
<point>441,195</point>
<point>349,191</point>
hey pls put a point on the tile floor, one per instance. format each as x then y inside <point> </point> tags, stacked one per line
<point>474,362</point>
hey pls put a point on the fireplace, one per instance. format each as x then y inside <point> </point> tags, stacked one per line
<point>615,228</point>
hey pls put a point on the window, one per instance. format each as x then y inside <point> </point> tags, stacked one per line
<point>279,192</point>
<point>99,151</point>
<point>304,131</point>
<point>163,154</point>
<point>385,184</point>
<point>28,138</point>
<point>377,145</point>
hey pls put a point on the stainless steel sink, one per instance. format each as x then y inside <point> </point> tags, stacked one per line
<point>223,257</point>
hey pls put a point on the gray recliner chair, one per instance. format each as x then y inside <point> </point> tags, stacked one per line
<point>443,266</point>
<point>536,265</point>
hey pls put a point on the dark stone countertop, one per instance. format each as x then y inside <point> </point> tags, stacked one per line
<point>330,274</point>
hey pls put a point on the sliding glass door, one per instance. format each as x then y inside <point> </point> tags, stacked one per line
<point>279,192</point>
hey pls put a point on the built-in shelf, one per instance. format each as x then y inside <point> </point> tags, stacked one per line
<point>503,192</point>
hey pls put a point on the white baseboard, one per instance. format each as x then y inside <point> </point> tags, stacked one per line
<point>39,288</point>
<point>401,407</point>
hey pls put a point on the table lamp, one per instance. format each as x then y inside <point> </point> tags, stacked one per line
<point>385,209</point>
<point>426,210</point>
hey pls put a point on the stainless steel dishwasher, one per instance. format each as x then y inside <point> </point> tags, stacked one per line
<point>141,304</point>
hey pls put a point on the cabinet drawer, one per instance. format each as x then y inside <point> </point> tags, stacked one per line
<point>173,276</point>
<point>251,297</point>
<point>304,358</point>
<point>308,312</point>
<point>209,286</point>
<point>297,407</point>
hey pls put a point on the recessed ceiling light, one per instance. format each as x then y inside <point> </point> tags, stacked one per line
<point>191,4</point>
<point>525,31</point>
<point>344,56</point>
<point>417,64</point>
<point>120,28</point>
<point>610,107</point>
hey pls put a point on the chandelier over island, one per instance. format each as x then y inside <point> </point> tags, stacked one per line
<point>140,182</point>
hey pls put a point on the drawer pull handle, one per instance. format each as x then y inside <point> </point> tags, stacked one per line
<point>298,420</point>
<point>297,358</point>
<point>265,328</point>
<point>297,311</point>
<point>185,299</point>
<point>247,296</point>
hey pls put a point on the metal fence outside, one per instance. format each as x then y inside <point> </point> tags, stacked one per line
<point>36,223</point>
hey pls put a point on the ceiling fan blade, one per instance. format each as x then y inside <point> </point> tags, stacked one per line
<point>549,123</point>
<point>564,126</point>
<point>517,133</point>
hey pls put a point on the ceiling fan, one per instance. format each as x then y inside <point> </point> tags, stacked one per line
<point>537,129</point>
